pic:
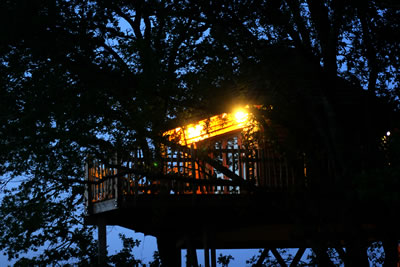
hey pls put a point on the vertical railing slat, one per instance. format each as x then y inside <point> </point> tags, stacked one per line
<point>256,168</point>
<point>193,174</point>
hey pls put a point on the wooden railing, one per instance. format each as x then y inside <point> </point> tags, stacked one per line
<point>185,170</point>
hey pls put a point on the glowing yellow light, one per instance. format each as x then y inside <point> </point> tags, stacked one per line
<point>241,116</point>
<point>194,131</point>
<point>210,127</point>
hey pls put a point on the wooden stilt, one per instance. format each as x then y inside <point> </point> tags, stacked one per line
<point>102,243</point>
<point>170,254</point>
<point>206,249</point>
<point>211,240</point>
<point>193,257</point>
<point>213,257</point>
<point>191,254</point>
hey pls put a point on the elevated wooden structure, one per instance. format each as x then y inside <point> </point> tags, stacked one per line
<point>208,190</point>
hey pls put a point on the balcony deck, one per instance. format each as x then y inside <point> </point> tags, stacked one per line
<point>234,198</point>
<point>189,171</point>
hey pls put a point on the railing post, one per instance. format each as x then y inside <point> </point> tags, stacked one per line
<point>117,183</point>
<point>87,187</point>
<point>211,174</point>
<point>247,166</point>
<point>262,168</point>
<point>257,173</point>
<point>224,145</point>
<point>232,150</point>
<point>133,177</point>
<point>178,161</point>
<point>192,154</point>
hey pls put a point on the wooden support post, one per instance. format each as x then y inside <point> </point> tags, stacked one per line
<point>102,243</point>
<point>170,254</point>
<point>206,249</point>
<point>211,239</point>
<point>191,255</point>
<point>213,257</point>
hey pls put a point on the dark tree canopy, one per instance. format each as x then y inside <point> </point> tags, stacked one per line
<point>96,77</point>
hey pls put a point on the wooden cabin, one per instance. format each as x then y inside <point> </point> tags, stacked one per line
<point>217,186</point>
<point>211,156</point>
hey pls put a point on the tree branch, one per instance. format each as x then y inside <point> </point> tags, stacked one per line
<point>327,31</point>
<point>119,59</point>
<point>135,25</point>
<point>370,50</point>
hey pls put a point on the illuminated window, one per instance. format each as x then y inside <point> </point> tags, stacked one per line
<point>213,126</point>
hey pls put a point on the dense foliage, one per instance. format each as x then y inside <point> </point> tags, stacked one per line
<point>93,76</point>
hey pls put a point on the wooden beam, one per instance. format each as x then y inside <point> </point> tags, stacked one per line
<point>297,257</point>
<point>103,206</point>
<point>263,255</point>
<point>278,257</point>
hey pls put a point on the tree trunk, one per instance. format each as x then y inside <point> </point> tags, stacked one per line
<point>322,256</point>
<point>356,254</point>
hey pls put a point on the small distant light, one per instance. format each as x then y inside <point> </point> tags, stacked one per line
<point>388,133</point>
<point>155,164</point>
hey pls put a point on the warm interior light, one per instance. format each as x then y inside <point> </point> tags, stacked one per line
<point>210,127</point>
<point>194,131</point>
<point>241,116</point>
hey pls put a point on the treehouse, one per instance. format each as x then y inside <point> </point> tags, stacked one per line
<point>219,182</point>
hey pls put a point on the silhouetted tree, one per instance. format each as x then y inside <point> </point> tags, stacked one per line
<point>95,77</point>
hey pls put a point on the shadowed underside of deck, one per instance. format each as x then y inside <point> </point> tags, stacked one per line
<point>252,221</point>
